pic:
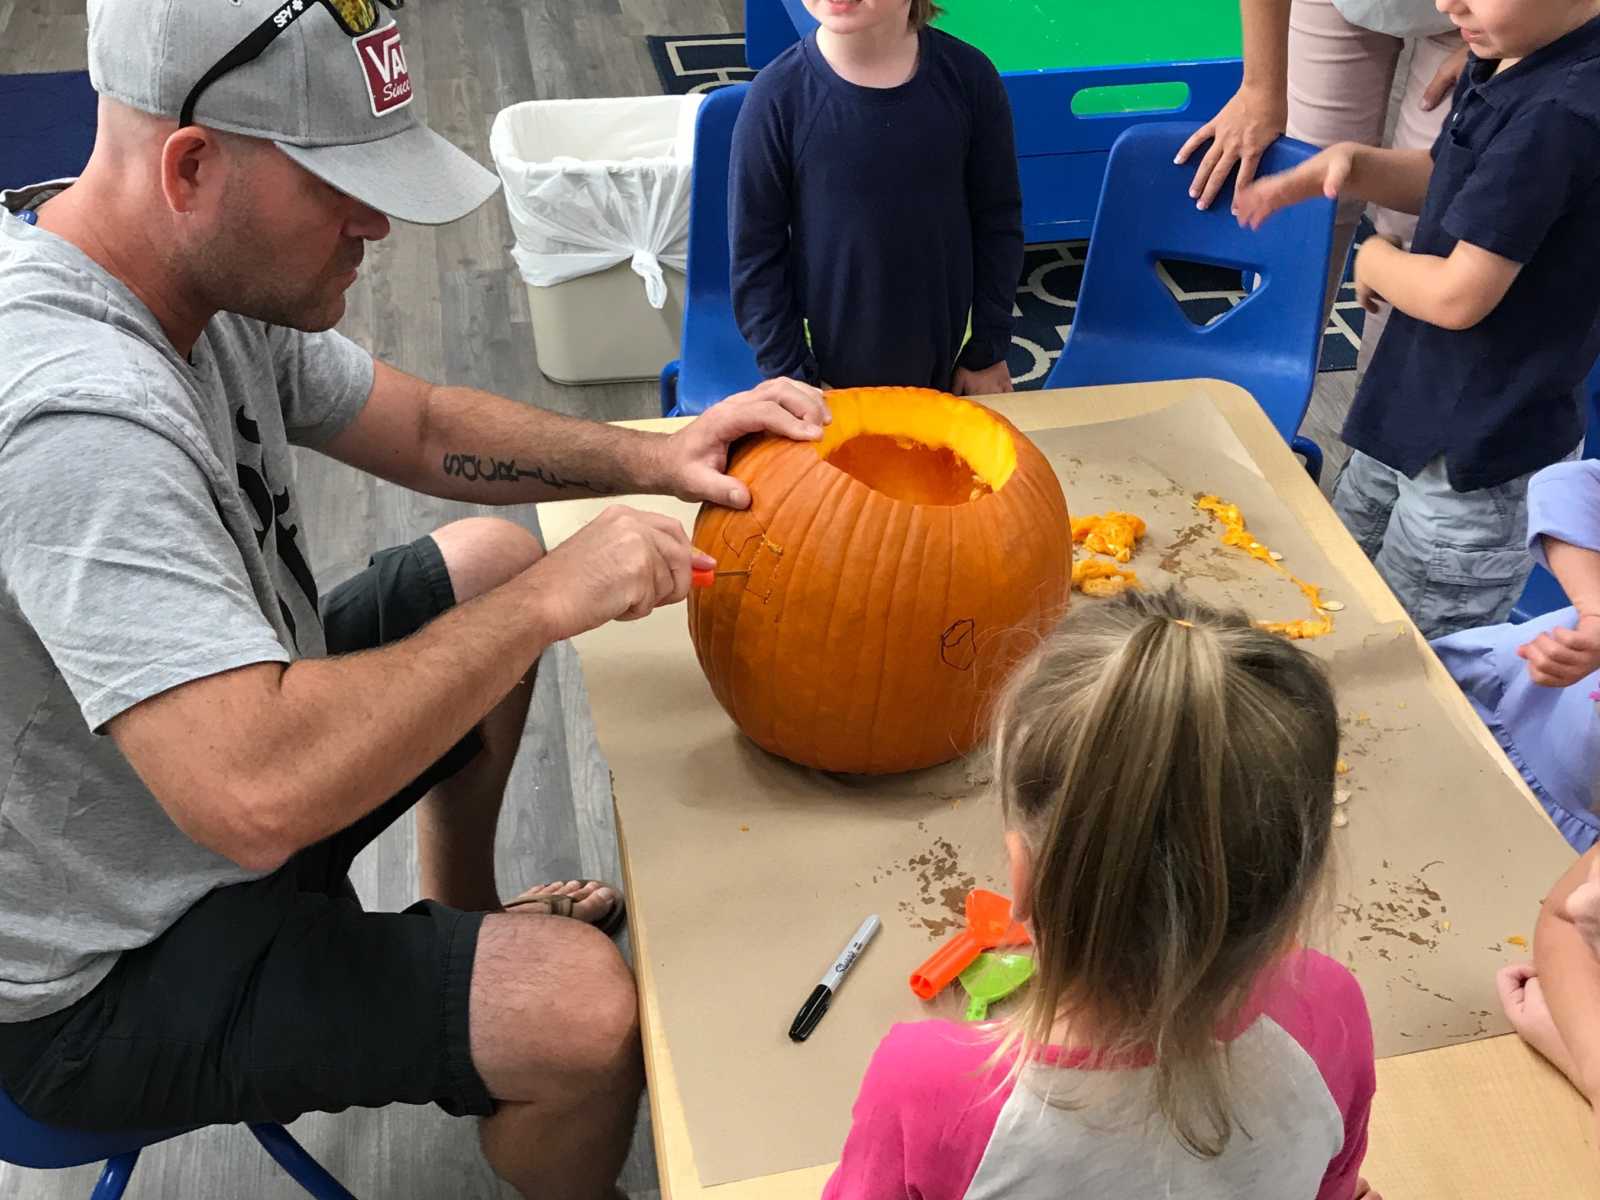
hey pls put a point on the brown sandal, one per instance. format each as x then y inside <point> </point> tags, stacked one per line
<point>559,905</point>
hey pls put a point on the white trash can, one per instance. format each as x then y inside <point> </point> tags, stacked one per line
<point>598,194</point>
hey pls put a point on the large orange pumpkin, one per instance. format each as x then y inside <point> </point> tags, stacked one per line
<point>898,570</point>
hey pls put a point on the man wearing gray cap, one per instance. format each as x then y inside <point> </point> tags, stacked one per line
<point>194,741</point>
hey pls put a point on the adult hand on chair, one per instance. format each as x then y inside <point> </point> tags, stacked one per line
<point>694,459</point>
<point>1239,134</point>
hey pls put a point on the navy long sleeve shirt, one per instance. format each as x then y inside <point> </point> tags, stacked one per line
<point>881,217</point>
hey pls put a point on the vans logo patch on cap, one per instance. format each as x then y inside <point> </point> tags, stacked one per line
<point>383,66</point>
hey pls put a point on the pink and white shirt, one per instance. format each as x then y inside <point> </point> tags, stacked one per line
<point>931,1124</point>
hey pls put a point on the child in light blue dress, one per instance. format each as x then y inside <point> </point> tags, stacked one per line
<point>1532,683</point>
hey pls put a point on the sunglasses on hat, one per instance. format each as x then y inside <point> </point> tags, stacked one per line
<point>355,17</point>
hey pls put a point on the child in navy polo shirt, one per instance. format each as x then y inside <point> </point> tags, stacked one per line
<point>873,198</point>
<point>1476,383</point>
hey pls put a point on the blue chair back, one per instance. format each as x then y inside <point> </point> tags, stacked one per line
<point>769,30</point>
<point>1543,594</point>
<point>1128,328</point>
<point>715,360</point>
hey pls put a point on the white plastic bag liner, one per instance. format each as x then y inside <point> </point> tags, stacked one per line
<point>593,183</point>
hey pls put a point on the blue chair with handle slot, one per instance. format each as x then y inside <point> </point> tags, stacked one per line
<point>1128,327</point>
<point>715,360</point>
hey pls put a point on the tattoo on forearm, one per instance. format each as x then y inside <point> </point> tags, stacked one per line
<point>485,469</point>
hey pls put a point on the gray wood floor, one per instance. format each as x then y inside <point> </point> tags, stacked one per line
<point>447,304</point>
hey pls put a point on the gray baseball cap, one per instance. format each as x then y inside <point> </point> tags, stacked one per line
<point>339,106</point>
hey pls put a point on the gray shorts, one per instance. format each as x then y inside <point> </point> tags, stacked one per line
<point>1454,560</point>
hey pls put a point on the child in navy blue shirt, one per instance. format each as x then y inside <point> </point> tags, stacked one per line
<point>873,199</point>
<point>1476,383</point>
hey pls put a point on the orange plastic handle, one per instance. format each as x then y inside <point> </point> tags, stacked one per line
<point>703,577</point>
<point>944,964</point>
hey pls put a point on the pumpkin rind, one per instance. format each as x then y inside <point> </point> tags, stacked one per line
<point>872,634</point>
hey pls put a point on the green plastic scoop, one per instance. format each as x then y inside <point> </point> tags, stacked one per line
<point>993,977</point>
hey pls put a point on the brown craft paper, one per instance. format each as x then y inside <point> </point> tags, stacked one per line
<point>751,873</point>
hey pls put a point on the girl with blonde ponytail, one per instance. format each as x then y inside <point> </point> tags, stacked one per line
<point>1166,775</point>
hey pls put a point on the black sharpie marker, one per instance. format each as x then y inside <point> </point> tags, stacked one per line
<point>822,995</point>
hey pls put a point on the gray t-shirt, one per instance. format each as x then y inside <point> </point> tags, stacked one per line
<point>148,537</point>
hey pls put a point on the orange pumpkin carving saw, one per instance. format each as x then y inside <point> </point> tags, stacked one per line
<point>900,569</point>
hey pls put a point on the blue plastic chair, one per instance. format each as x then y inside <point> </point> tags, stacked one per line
<point>768,31</point>
<point>1543,594</point>
<point>25,1142</point>
<point>715,360</point>
<point>1128,328</point>
<point>49,126</point>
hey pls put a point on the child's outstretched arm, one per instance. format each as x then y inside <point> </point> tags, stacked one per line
<point>759,202</point>
<point>1564,527</point>
<point>1396,179</point>
<point>994,197</point>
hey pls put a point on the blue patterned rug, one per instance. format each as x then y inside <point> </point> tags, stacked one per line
<point>1051,272</point>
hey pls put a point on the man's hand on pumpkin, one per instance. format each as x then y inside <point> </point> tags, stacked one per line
<point>695,458</point>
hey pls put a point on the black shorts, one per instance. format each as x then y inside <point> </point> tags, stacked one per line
<point>280,996</point>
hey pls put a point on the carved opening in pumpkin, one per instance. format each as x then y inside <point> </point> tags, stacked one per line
<point>917,446</point>
<point>909,471</point>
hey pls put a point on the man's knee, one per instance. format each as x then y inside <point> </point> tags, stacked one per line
<point>554,1009</point>
<point>603,1007</point>
<point>481,553</point>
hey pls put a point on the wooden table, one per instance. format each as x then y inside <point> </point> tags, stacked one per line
<point>1487,1119</point>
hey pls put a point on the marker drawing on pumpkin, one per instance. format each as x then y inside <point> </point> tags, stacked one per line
<point>744,527</point>
<point>958,645</point>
